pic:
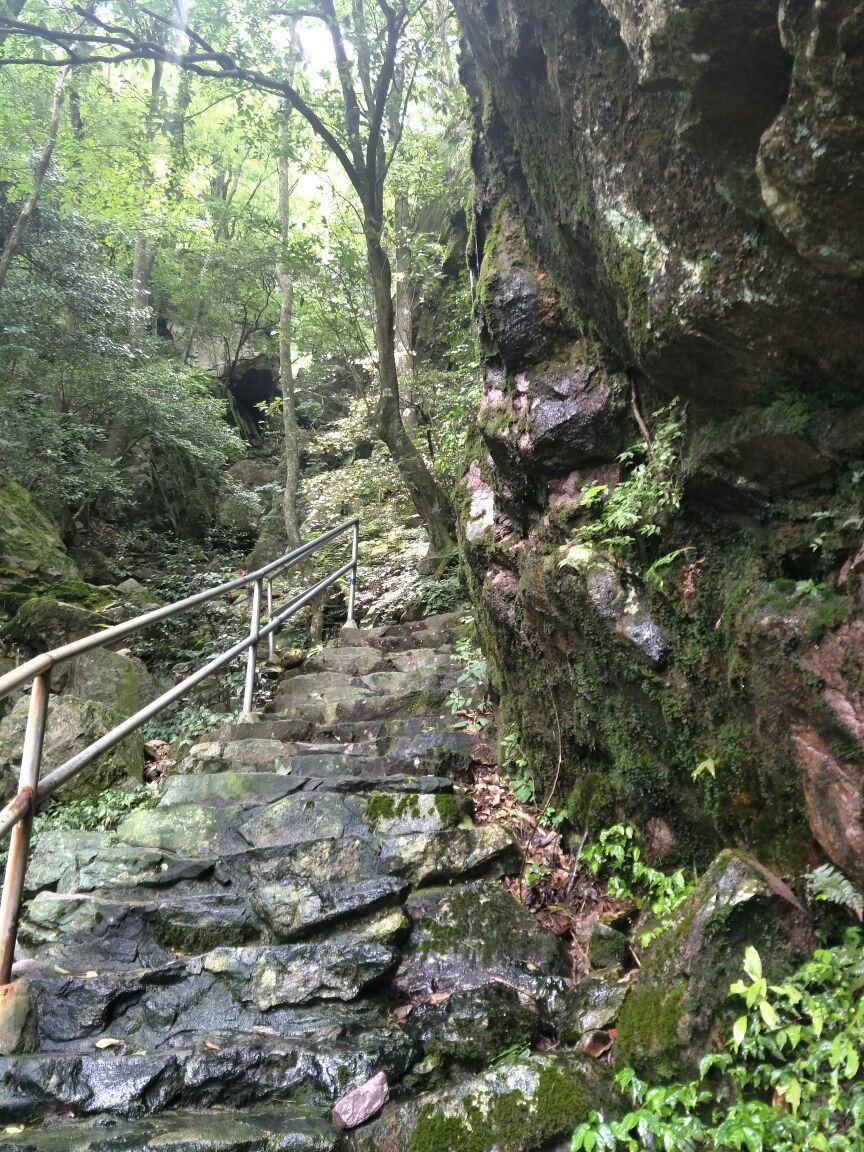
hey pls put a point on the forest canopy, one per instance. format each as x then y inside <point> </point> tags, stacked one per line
<point>188,190</point>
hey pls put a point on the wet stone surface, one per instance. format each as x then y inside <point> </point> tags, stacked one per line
<point>308,910</point>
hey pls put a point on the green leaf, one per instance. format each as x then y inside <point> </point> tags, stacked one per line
<point>705,766</point>
<point>791,1090</point>
<point>766,1011</point>
<point>739,1030</point>
<point>752,963</point>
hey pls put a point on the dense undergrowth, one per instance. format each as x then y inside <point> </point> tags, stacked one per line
<point>788,1079</point>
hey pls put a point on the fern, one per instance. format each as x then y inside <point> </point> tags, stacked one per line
<point>826,883</point>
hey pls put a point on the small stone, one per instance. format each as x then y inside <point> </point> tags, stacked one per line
<point>14,1016</point>
<point>361,1104</point>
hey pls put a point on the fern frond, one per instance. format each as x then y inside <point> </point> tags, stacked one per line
<point>827,883</point>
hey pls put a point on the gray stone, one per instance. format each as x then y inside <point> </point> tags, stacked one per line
<point>228,789</point>
<point>470,935</point>
<point>295,909</point>
<point>301,973</point>
<point>72,725</point>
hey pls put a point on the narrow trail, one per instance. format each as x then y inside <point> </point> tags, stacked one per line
<point>294,917</point>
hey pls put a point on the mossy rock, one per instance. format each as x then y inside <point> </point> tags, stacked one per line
<point>607,947</point>
<point>44,623</point>
<point>72,725</point>
<point>521,1106</point>
<point>119,682</point>
<point>680,1007</point>
<point>31,550</point>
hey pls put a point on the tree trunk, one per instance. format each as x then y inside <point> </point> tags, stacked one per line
<point>16,235</point>
<point>286,372</point>
<point>142,267</point>
<point>427,495</point>
<point>404,332</point>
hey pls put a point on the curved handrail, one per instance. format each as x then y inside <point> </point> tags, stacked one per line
<point>48,660</point>
<point>18,814</point>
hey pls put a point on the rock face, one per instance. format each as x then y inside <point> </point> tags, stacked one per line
<point>308,920</point>
<point>31,551</point>
<point>669,209</point>
<point>72,725</point>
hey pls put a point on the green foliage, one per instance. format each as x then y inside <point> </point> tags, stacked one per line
<point>81,403</point>
<point>514,765</point>
<point>102,813</point>
<point>638,506</point>
<point>471,680</point>
<point>788,1081</point>
<point>616,856</point>
<point>827,883</point>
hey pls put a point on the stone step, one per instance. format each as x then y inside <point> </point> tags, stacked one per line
<point>242,945</point>
<point>308,773</point>
<point>220,1068</point>
<point>297,1129</point>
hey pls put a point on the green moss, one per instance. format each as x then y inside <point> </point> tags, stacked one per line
<point>647,1029</point>
<point>447,808</point>
<point>386,806</point>
<point>507,1121</point>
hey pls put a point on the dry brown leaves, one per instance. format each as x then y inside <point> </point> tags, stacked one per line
<point>564,899</point>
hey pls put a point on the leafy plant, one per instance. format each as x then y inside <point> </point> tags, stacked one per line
<point>616,855</point>
<point>514,765</point>
<point>462,700</point>
<point>102,813</point>
<point>789,1079</point>
<point>639,504</point>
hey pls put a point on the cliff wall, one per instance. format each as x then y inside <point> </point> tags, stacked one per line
<point>669,258</point>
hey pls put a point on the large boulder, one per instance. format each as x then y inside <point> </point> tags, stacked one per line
<point>31,551</point>
<point>71,726</point>
<point>116,680</point>
<point>680,1008</point>
<point>44,623</point>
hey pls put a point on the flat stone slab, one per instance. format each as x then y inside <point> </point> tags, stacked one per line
<point>273,1130</point>
<point>355,661</point>
<point>228,789</point>
<point>294,909</point>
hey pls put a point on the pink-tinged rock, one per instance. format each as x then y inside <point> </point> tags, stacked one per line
<point>361,1104</point>
<point>832,792</point>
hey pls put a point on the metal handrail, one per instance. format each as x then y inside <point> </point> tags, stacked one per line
<point>18,814</point>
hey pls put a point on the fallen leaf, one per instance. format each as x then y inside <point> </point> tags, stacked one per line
<point>212,1047</point>
<point>439,997</point>
<point>91,975</point>
<point>403,1011</point>
<point>261,1030</point>
<point>107,1042</point>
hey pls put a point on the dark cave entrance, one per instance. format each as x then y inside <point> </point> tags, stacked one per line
<point>252,383</point>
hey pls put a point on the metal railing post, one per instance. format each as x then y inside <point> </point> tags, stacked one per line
<point>352,579</point>
<point>271,639</point>
<point>252,654</point>
<point>19,843</point>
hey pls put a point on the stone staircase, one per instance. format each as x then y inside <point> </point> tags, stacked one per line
<point>218,972</point>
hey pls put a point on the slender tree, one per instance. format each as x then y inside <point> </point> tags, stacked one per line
<point>16,232</point>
